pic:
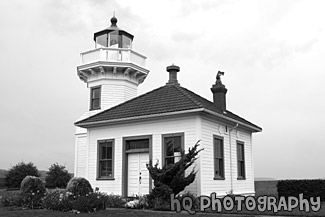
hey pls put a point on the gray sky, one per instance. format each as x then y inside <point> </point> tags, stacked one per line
<point>272,53</point>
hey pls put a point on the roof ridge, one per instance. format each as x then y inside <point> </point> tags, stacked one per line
<point>118,105</point>
<point>185,91</point>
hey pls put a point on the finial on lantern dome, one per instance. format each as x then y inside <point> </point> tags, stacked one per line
<point>113,20</point>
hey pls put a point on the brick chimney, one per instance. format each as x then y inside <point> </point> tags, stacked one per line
<point>173,74</point>
<point>219,93</point>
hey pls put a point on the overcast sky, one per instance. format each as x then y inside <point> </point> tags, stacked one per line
<point>272,53</point>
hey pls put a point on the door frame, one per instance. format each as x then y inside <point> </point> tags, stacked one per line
<point>125,160</point>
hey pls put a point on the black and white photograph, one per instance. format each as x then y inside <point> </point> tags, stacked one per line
<point>162,108</point>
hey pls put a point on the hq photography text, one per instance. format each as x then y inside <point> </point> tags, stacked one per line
<point>238,203</point>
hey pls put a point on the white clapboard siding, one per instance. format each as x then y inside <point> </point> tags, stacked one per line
<point>155,128</point>
<point>114,92</point>
<point>245,186</point>
<point>81,156</point>
<point>222,187</point>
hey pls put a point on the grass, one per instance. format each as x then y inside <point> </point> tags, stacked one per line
<point>15,212</point>
<point>110,212</point>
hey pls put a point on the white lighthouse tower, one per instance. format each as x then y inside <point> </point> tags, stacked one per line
<point>112,72</point>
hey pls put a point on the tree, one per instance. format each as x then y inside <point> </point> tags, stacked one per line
<point>18,172</point>
<point>57,177</point>
<point>171,178</point>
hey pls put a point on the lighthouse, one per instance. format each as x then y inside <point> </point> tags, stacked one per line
<point>112,70</point>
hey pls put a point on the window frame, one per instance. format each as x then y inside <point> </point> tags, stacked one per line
<point>163,137</point>
<point>215,177</point>
<point>240,144</point>
<point>99,145</point>
<point>92,99</point>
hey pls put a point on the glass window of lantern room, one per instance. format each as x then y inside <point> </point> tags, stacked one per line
<point>102,41</point>
<point>113,39</point>
<point>126,42</point>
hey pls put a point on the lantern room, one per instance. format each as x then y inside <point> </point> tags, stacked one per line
<point>113,37</point>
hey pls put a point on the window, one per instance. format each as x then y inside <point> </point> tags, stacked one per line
<point>95,98</point>
<point>172,148</point>
<point>105,159</point>
<point>137,144</point>
<point>218,158</point>
<point>241,160</point>
<point>101,41</point>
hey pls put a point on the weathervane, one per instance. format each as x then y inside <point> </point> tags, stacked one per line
<point>218,77</point>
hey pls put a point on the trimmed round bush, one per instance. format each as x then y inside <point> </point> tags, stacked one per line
<point>79,186</point>
<point>32,190</point>
<point>32,185</point>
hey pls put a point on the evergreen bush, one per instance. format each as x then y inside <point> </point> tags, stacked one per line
<point>57,177</point>
<point>171,178</point>
<point>18,172</point>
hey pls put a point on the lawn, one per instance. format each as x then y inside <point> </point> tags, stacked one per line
<point>11,212</point>
<point>17,212</point>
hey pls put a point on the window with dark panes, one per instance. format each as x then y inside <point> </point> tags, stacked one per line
<point>95,98</point>
<point>218,158</point>
<point>137,144</point>
<point>172,149</point>
<point>241,160</point>
<point>105,159</point>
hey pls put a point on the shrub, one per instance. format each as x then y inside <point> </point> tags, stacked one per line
<point>13,198</point>
<point>32,190</point>
<point>2,183</point>
<point>79,186</point>
<point>141,202</point>
<point>89,203</point>
<point>57,177</point>
<point>18,172</point>
<point>66,201</point>
<point>57,200</point>
<point>114,201</point>
<point>309,188</point>
<point>171,178</point>
<point>159,197</point>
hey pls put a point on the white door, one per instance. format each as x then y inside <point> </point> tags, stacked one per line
<point>138,175</point>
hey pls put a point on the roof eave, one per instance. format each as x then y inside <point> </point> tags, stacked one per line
<point>253,128</point>
<point>144,117</point>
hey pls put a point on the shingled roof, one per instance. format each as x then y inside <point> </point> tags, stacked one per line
<point>161,101</point>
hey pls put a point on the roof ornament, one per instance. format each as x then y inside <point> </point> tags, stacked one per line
<point>218,82</point>
<point>113,20</point>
